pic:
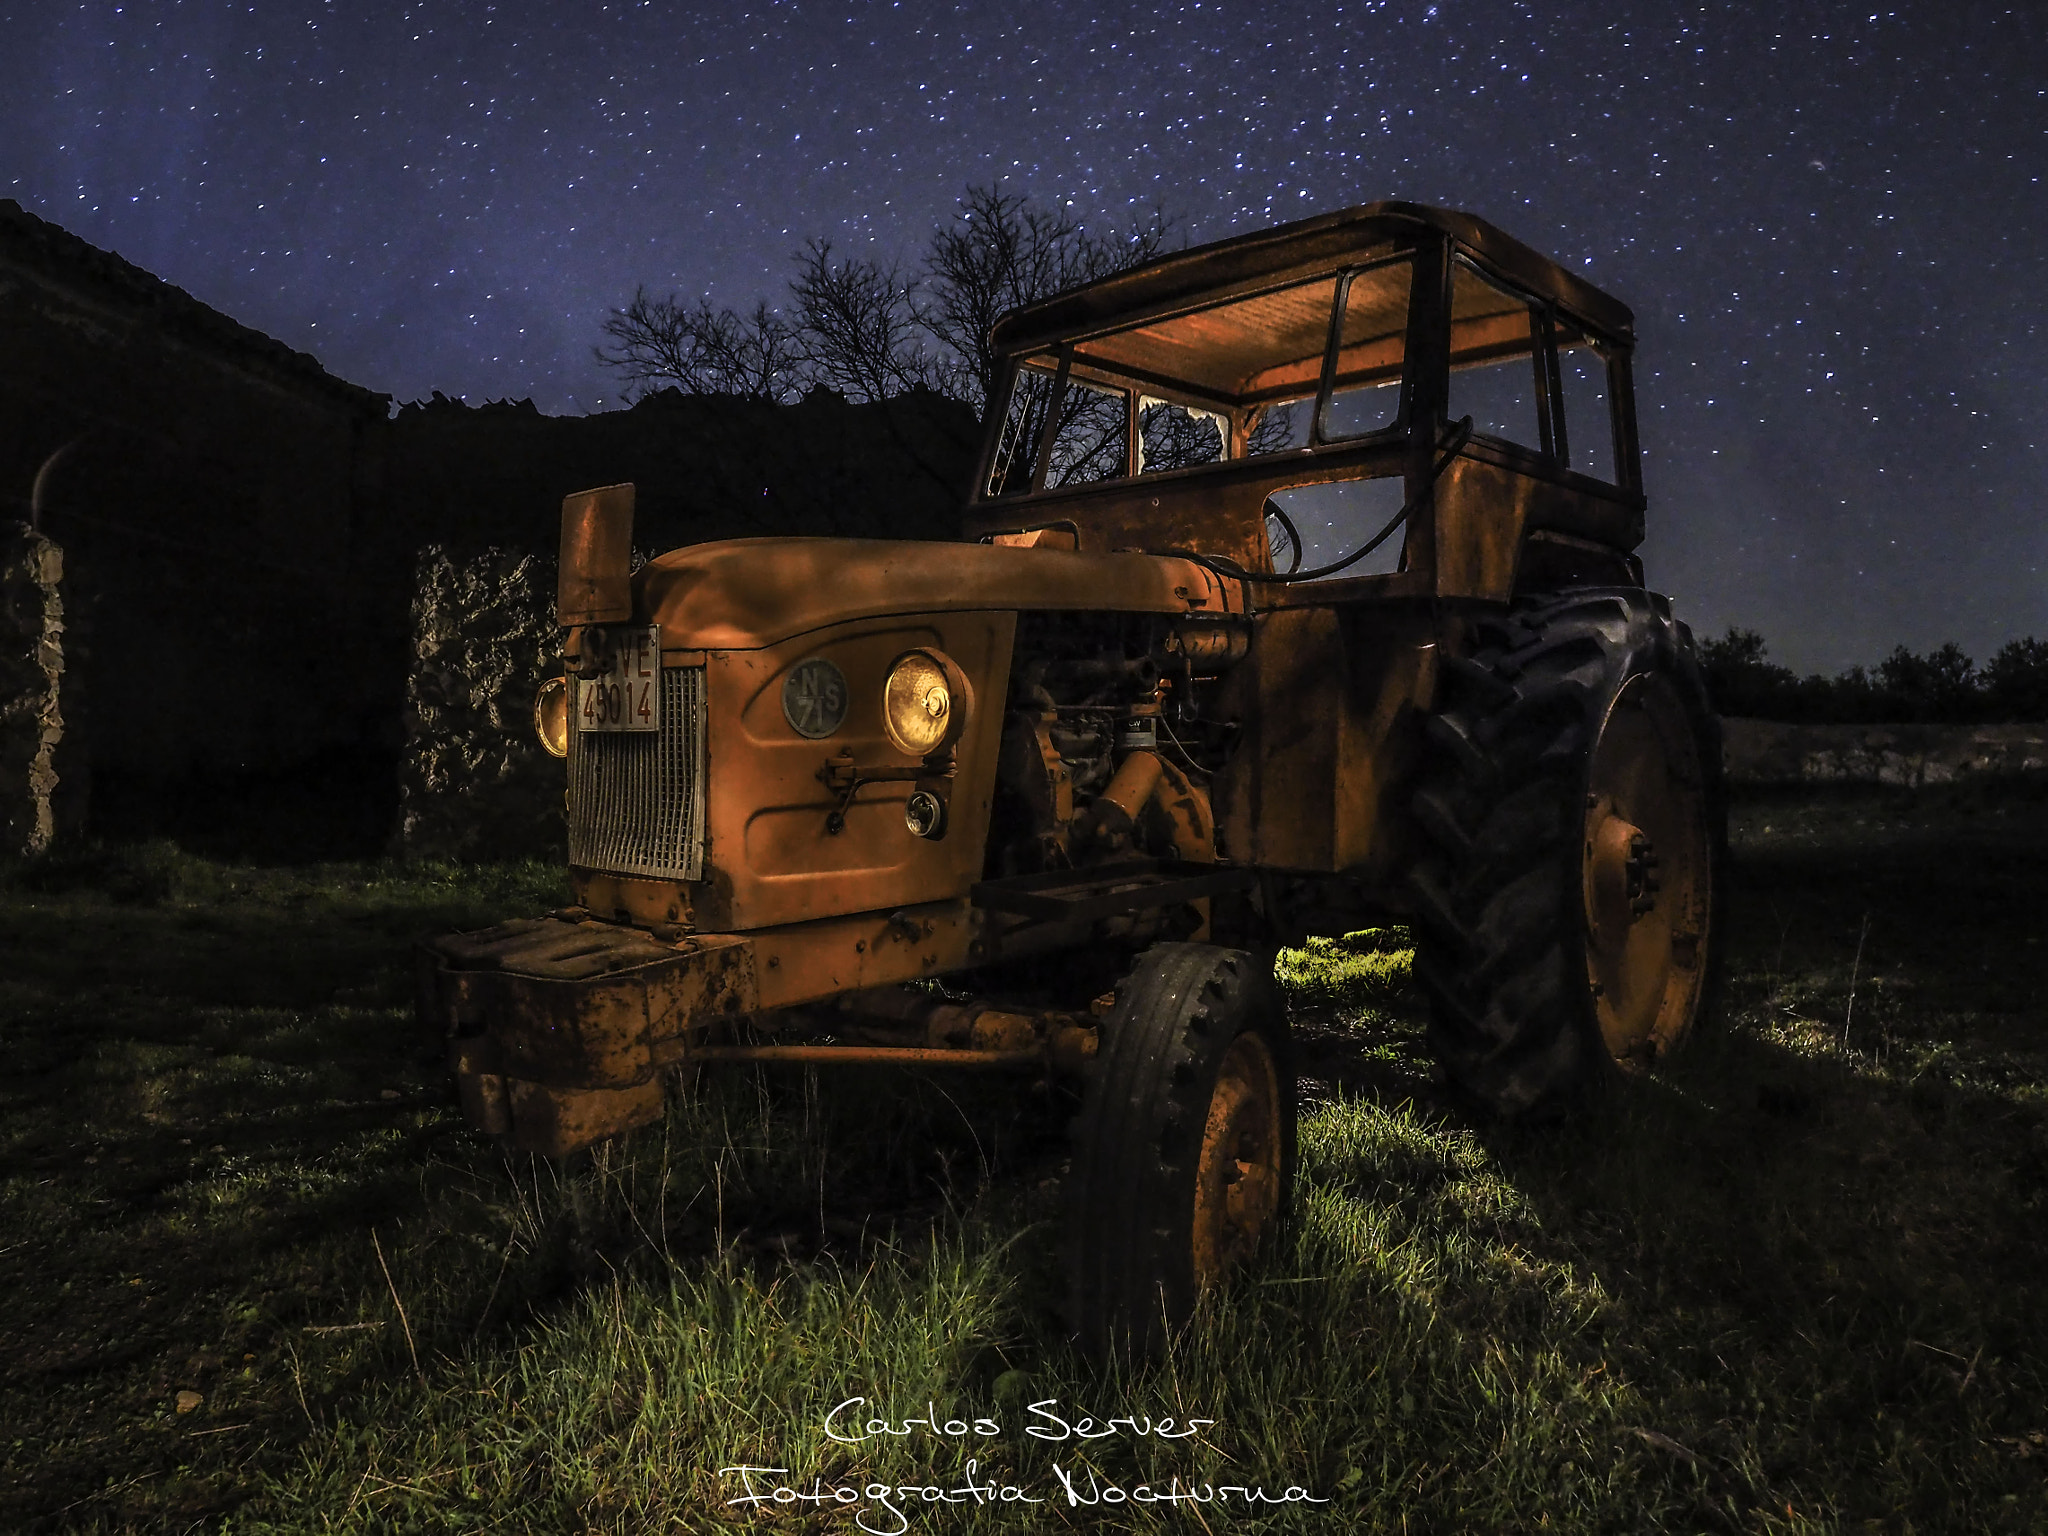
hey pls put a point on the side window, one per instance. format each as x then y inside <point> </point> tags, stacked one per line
<point>1494,360</point>
<point>1174,437</point>
<point>1365,393</point>
<point>1310,526</point>
<point>1009,472</point>
<point>1588,420</point>
<point>1279,427</point>
<point>1088,443</point>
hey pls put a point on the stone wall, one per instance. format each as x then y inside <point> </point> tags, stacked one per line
<point>31,666</point>
<point>474,780</point>
<point>1768,752</point>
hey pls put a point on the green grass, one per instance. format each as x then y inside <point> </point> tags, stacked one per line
<point>1792,1283</point>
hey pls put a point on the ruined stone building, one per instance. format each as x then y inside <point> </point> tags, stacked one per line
<point>209,544</point>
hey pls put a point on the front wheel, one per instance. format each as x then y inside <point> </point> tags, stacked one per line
<point>1573,823</point>
<point>1184,1149</point>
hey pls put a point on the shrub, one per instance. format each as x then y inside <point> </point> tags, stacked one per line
<point>2016,681</point>
<point>1943,687</point>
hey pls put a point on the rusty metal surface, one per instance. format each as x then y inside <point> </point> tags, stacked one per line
<point>550,949</point>
<point>774,795</point>
<point>1239,1170</point>
<point>584,1005</point>
<point>1647,873</point>
<point>805,962</point>
<point>486,1100</point>
<point>798,828</point>
<point>1331,699</point>
<point>1343,591</point>
<point>554,1121</point>
<point>801,962</point>
<point>1233,327</point>
<point>1485,507</point>
<point>905,1026</point>
<point>597,550</point>
<point>1105,829</point>
<point>559,1031</point>
<point>743,594</point>
<point>1182,809</point>
<point>1215,508</point>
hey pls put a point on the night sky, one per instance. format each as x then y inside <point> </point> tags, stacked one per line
<point>1829,220</point>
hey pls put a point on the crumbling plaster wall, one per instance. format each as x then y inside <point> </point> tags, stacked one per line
<point>31,704</point>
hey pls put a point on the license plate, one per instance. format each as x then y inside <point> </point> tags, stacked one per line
<point>626,695</point>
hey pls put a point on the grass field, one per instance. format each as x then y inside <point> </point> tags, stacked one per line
<point>1795,1283</point>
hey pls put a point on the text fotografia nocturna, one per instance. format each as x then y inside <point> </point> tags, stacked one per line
<point>884,1508</point>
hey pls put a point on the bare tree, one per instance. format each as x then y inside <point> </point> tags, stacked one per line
<point>873,332</point>
<point>1001,253</point>
<point>1272,430</point>
<point>856,326</point>
<point>701,351</point>
<point>1175,437</point>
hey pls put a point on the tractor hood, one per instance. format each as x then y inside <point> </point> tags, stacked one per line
<point>743,594</point>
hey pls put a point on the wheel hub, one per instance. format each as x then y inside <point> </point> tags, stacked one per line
<point>1237,1178</point>
<point>1622,884</point>
<point>1647,875</point>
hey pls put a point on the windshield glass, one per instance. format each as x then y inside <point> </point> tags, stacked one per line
<point>1089,440</point>
<point>1232,379</point>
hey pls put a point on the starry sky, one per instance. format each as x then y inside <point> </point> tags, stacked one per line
<point>1828,219</point>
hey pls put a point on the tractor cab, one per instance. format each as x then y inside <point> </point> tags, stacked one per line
<point>1274,401</point>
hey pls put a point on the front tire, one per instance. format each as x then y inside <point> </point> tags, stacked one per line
<point>1184,1149</point>
<point>1574,826</point>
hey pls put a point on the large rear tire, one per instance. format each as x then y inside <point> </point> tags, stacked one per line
<point>1574,826</point>
<point>1184,1149</point>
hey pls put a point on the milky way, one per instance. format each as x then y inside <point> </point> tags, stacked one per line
<point>1828,220</point>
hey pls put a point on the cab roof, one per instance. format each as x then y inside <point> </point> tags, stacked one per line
<point>1300,251</point>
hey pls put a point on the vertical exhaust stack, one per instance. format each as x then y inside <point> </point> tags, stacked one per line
<point>597,558</point>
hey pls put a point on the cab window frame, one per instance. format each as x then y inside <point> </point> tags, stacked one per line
<point>1624,473</point>
<point>1547,457</point>
<point>1319,434</point>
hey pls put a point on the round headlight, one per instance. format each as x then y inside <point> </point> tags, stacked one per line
<point>551,716</point>
<point>921,704</point>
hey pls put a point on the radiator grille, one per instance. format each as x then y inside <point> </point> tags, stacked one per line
<point>636,798</point>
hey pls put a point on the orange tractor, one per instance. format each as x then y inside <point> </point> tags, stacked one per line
<point>1296,595</point>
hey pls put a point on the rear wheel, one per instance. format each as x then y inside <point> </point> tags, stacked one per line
<point>1573,825</point>
<point>1184,1149</point>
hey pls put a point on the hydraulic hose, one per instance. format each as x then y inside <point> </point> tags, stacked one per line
<point>1455,439</point>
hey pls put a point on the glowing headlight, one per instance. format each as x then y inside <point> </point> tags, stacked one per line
<point>922,706</point>
<point>551,716</point>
